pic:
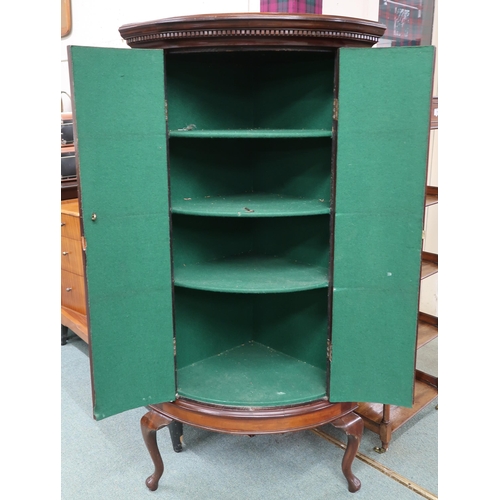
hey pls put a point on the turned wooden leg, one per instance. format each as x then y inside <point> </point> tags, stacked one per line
<point>175,429</point>
<point>385,430</point>
<point>353,426</point>
<point>150,424</point>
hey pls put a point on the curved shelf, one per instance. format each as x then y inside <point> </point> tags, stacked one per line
<point>250,133</point>
<point>251,205</point>
<point>251,274</point>
<point>252,374</point>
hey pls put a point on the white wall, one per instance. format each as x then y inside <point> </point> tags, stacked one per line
<point>363,9</point>
<point>96,22</point>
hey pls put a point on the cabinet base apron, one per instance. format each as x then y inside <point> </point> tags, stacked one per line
<point>250,421</point>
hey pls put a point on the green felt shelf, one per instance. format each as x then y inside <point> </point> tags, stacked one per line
<point>251,205</point>
<point>250,133</point>
<point>251,274</point>
<point>252,374</point>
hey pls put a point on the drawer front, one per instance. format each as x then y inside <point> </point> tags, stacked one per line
<point>73,292</point>
<point>71,256</point>
<point>70,226</point>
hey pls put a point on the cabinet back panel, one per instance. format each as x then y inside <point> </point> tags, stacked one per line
<point>118,98</point>
<point>380,179</point>
<point>299,167</point>
<point>210,92</point>
<point>285,90</point>
<point>295,324</point>
<point>218,358</point>
<point>207,324</point>
<point>294,90</point>
<point>201,167</point>
<point>200,239</point>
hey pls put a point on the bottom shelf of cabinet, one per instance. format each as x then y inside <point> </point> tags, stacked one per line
<point>384,419</point>
<point>76,322</point>
<point>251,374</point>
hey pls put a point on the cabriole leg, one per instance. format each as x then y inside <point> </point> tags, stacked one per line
<point>353,426</point>
<point>150,424</point>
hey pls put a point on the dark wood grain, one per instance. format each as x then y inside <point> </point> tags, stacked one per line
<point>234,420</point>
<point>252,30</point>
<point>250,421</point>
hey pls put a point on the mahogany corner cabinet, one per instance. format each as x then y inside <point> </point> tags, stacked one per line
<point>251,192</point>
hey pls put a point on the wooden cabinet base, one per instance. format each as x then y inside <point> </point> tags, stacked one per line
<point>250,422</point>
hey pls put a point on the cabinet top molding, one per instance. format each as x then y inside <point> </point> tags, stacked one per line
<point>252,31</point>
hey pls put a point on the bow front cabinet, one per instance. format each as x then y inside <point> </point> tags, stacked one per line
<point>251,197</point>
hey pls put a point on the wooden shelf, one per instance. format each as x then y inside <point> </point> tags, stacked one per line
<point>251,133</point>
<point>426,333</point>
<point>431,199</point>
<point>252,375</point>
<point>251,274</point>
<point>372,413</point>
<point>251,205</point>
<point>428,269</point>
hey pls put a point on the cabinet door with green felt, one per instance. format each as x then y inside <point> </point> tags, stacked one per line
<point>119,110</point>
<point>381,156</point>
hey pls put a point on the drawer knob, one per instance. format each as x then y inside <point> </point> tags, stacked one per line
<point>65,253</point>
<point>69,289</point>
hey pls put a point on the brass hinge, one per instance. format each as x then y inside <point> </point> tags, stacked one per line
<point>329,350</point>
<point>336,109</point>
<point>175,347</point>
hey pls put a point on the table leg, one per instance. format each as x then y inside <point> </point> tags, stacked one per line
<point>64,334</point>
<point>175,429</point>
<point>150,424</point>
<point>353,426</point>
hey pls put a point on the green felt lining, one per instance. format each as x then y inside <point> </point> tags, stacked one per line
<point>250,134</point>
<point>295,324</point>
<point>252,375</point>
<point>251,205</point>
<point>285,92</point>
<point>251,202</point>
<point>120,123</point>
<point>241,178</point>
<point>384,100</point>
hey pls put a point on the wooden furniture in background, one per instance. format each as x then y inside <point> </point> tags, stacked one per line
<point>259,278</point>
<point>66,22</point>
<point>73,302</point>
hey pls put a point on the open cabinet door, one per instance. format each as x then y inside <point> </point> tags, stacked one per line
<point>119,112</point>
<point>384,98</point>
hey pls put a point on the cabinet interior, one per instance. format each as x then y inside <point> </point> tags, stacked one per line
<point>250,186</point>
<point>281,90</point>
<point>251,349</point>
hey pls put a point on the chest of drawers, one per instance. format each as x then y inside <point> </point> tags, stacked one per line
<point>73,301</point>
